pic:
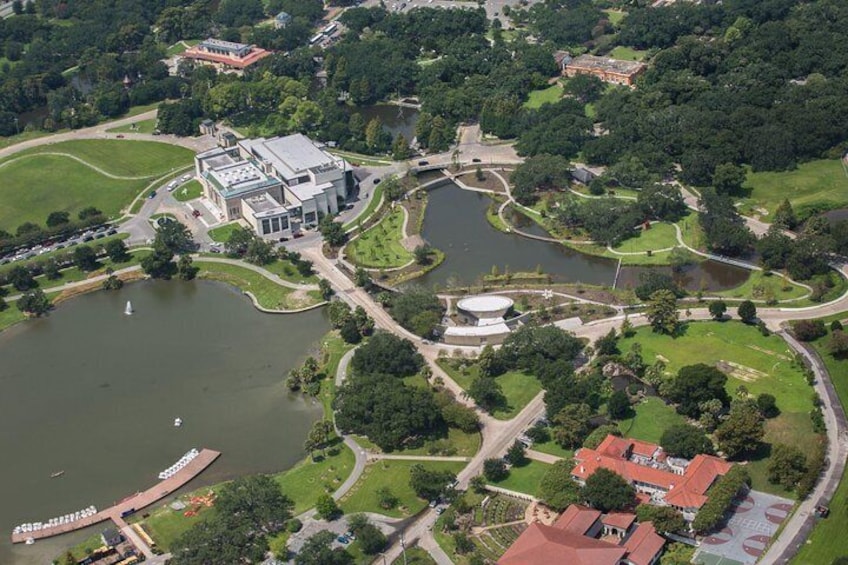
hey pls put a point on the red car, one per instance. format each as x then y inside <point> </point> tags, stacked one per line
<point>196,213</point>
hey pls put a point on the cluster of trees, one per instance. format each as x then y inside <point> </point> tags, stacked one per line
<point>417,309</point>
<point>376,402</point>
<point>243,243</point>
<point>807,255</point>
<point>247,511</point>
<point>59,224</point>
<point>353,325</point>
<point>171,238</point>
<point>604,489</point>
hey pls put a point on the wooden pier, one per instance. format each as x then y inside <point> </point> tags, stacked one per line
<point>136,502</point>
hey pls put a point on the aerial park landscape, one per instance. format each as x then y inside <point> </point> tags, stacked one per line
<point>284,288</point>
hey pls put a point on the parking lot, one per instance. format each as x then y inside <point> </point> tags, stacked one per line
<point>754,520</point>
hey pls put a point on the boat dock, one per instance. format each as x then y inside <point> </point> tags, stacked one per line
<point>131,504</point>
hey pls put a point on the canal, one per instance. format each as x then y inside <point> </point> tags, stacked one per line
<point>396,119</point>
<point>94,393</point>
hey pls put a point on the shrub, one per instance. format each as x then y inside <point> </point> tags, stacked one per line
<point>720,495</point>
<point>808,330</point>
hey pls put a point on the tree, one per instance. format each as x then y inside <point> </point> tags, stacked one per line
<point>787,466</point>
<point>494,469</point>
<point>686,441</point>
<point>51,270</point>
<point>742,431</point>
<point>571,425</point>
<point>326,289</point>
<point>487,393</point>
<point>422,254</point>
<point>662,202</point>
<point>540,172</point>
<point>333,232</point>
<point>462,417</point>
<point>728,178</point>
<point>557,489</point>
<point>586,88</point>
<point>599,434</point>
<point>386,498</point>
<point>34,303</point>
<point>174,237</point>
<point>653,281</point>
<point>21,278</point>
<point>662,312</point>
<point>695,384</point>
<point>259,251</point>
<point>808,330</point>
<point>117,251</point>
<point>767,405</point>
<point>429,484</point>
<point>400,148</point>
<point>717,309</point>
<point>387,354</point>
<point>113,283</point>
<point>361,278</point>
<point>159,264</point>
<point>515,454</point>
<point>317,550</point>
<point>784,216</point>
<point>606,490</point>
<point>618,405</point>
<point>665,518</point>
<point>85,258</point>
<point>89,213</point>
<point>608,344</point>
<point>838,344</point>
<point>417,309</point>
<point>747,312</point>
<point>57,219</point>
<point>237,242</point>
<point>327,508</point>
<point>370,538</point>
<point>186,268</point>
<point>462,543</point>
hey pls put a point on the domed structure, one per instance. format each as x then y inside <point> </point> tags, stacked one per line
<point>482,308</point>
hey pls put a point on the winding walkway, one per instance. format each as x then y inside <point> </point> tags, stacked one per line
<point>77,159</point>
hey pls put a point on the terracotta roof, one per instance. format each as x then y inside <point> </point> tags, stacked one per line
<point>614,446</point>
<point>621,520</point>
<point>589,461</point>
<point>643,544</point>
<point>540,544</point>
<point>699,476</point>
<point>577,519</point>
<point>255,55</point>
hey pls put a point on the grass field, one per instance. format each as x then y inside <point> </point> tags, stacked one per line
<point>660,236</point>
<point>380,247</point>
<point>762,364</point>
<point>141,126</point>
<point>652,417</point>
<point>817,183</point>
<point>222,233</point>
<point>551,447</point>
<point>36,184</point>
<point>761,286</point>
<point>178,47</point>
<point>188,191</point>
<point>393,475</point>
<point>518,388</point>
<point>285,270</point>
<point>415,556</point>
<point>305,482</point>
<point>615,16</point>
<point>627,53</point>
<point>548,95</point>
<point>268,293</point>
<point>827,541</point>
<point>526,478</point>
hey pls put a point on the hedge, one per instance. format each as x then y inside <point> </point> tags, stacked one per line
<point>721,494</point>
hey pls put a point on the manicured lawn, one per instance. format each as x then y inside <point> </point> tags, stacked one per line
<point>188,191</point>
<point>268,293</point>
<point>372,205</point>
<point>549,95</point>
<point>615,16</point>
<point>692,232</point>
<point>359,159</point>
<point>10,316</point>
<point>222,233</point>
<point>178,47</point>
<point>285,270</point>
<point>415,556</point>
<point>827,540</point>
<point>305,482</point>
<point>761,286</point>
<point>762,364</point>
<point>465,445</point>
<point>553,448</point>
<point>380,247</point>
<point>822,182</point>
<point>166,524</point>
<point>627,53</point>
<point>518,388</point>
<point>393,475</point>
<point>141,126</point>
<point>35,184</point>
<point>526,478</point>
<point>652,417</point>
<point>660,236</point>
<point>85,547</point>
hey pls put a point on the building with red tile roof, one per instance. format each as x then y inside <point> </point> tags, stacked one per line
<point>647,468</point>
<point>574,540</point>
<point>226,55</point>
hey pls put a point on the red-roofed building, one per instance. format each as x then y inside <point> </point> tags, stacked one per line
<point>647,468</point>
<point>226,55</point>
<point>574,540</point>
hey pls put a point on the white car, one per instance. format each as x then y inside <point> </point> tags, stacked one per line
<point>186,178</point>
<point>172,185</point>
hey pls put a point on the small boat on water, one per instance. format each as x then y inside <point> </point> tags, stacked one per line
<point>30,541</point>
<point>56,474</point>
<point>129,309</point>
<point>178,422</point>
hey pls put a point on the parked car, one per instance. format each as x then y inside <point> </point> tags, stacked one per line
<point>152,195</point>
<point>343,539</point>
<point>475,160</point>
<point>423,163</point>
<point>172,185</point>
<point>186,178</point>
<point>377,180</point>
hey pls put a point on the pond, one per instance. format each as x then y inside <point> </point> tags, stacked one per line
<point>93,392</point>
<point>396,119</point>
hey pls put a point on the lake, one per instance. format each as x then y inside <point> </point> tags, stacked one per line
<point>94,392</point>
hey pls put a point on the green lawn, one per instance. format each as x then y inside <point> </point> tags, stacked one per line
<point>141,126</point>
<point>415,556</point>
<point>660,236</point>
<point>222,233</point>
<point>305,482</point>
<point>762,364</point>
<point>615,16</point>
<point>178,47</point>
<point>762,286</point>
<point>518,388</point>
<point>817,183</point>
<point>10,316</point>
<point>35,185</point>
<point>652,417</point>
<point>372,205</point>
<point>286,270</point>
<point>362,160</point>
<point>627,54</point>
<point>379,247</point>
<point>526,478</point>
<point>549,95</point>
<point>827,540</point>
<point>268,293</point>
<point>553,448</point>
<point>188,191</point>
<point>393,475</point>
